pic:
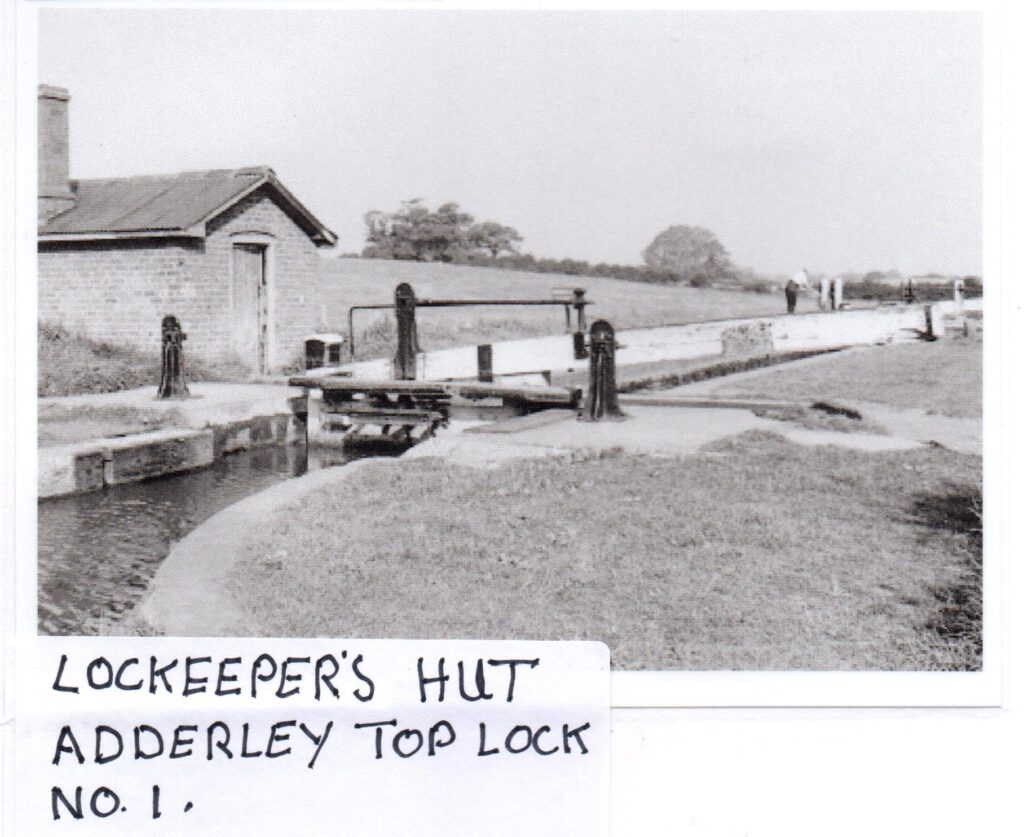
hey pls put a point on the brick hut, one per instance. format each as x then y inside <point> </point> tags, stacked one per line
<point>230,252</point>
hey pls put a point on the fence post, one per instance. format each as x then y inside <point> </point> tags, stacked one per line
<point>172,366</point>
<point>934,320</point>
<point>579,350</point>
<point>908,292</point>
<point>602,396</point>
<point>485,363</point>
<point>408,346</point>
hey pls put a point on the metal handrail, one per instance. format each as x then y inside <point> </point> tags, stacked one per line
<point>578,302</point>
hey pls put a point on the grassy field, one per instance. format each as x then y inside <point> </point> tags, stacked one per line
<point>346,282</point>
<point>942,377</point>
<point>754,554</point>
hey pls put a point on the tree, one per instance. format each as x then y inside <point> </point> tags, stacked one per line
<point>693,253</point>
<point>494,238</point>
<point>417,233</point>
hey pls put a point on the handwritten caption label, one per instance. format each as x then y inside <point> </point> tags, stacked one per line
<point>225,736</point>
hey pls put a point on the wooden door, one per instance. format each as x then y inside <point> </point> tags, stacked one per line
<point>249,303</point>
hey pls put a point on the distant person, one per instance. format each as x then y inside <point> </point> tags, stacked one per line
<point>824,287</point>
<point>792,288</point>
<point>908,292</point>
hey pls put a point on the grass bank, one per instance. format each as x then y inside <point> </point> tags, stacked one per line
<point>943,377</point>
<point>754,554</point>
<point>70,364</point>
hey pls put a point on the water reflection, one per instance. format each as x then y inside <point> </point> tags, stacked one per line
<point>98,551</point>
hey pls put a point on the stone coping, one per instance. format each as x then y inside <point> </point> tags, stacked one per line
<point>190,593</point>
<point>95,463</point>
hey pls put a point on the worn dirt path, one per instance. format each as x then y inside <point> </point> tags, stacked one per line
<point>77,418</point>
<point>962,434</point>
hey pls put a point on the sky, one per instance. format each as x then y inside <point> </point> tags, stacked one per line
<point>824,140</point>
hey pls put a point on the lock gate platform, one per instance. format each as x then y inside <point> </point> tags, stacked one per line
<point>407,412</point>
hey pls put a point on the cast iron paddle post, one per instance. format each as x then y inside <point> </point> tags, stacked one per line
<point>172,373</point>
<point>602,396</point>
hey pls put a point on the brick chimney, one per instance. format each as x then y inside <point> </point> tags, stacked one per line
<point>55,194</point>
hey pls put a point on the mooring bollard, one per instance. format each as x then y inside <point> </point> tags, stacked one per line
<point>172,373</point>
<point>408,346</point>
<point>602,396</point>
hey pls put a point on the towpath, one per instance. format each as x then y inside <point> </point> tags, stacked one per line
<point>959,433</point>
<point>78,418</point>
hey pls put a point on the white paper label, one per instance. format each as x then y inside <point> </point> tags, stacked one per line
<point>311,736</point>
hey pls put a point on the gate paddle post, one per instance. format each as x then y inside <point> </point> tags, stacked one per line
<point>172,372</point>
<point>602,397</point>
<point>405,317</point>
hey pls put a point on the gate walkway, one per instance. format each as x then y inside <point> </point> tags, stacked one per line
<point>655,431</point>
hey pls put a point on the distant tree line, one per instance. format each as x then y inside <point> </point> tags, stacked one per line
<point>576,267</point>
<point>680,254</point>
<point>938,288</point>
<point>415,232</point>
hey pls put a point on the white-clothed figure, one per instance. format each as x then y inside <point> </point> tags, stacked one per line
<point>825,294</point>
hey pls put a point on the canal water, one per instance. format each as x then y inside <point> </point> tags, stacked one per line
<point>98,551</point>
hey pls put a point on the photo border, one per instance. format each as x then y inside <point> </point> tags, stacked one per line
<point>748,689</point>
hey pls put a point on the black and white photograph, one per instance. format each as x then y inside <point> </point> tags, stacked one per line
<point>431,418</point>
<point>662,329</point>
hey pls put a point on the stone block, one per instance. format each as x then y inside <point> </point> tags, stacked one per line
<point>230,437</point>
<point>748,339</point>
<point>261,430</point>
<point>88,470</point>
<point>55,472</point>
<point>154,457</point>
